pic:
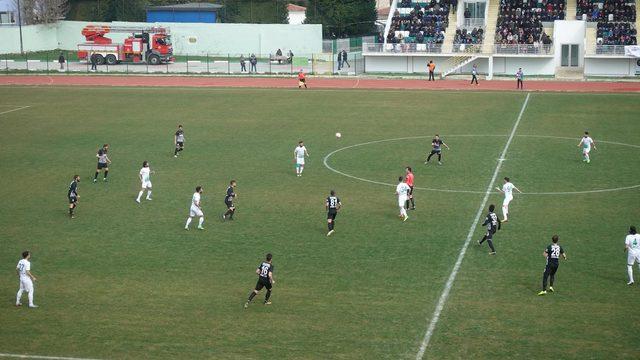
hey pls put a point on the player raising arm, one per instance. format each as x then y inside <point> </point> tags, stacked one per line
<point>586,143</point>
<point>507,190</point>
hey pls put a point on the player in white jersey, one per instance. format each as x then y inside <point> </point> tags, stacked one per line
<point>632,247</point>
<point>145,181</point>
<point>507,190</point>
<point>402,190</point>
<point>586,143</point>
<point>299,153</point>
<point>196,209</point>
<point>26,279</point>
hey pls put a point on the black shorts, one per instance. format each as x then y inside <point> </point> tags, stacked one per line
<point>73,199</point>
<point>179,144</point>
<point>551,268</point>
<point>434,151</point>
<point>263,282</point>
<point>489,234</point>
<point>332,214</point>
<point>410,190</point>
<point>229,204</point>
<point>302,80</point>
<point>103,166</point>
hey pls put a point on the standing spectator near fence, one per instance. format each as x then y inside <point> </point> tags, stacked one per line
<point>474,74</point>
<point>339,60</point>
<point>61,61</point>
<point>432,68</point>
<point>519,78</point>
<point>344,58</point>
<point>243,62</point>
<point>94,62</point>
<point>253,61</point>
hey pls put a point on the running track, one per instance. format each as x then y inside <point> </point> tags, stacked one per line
<point>316,83</point>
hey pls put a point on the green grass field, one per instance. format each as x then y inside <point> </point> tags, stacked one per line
<point>124,280</point>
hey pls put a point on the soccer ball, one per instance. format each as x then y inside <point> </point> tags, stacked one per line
<point>338,135</point>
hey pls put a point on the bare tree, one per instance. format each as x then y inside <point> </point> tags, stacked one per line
<point>42,11</point>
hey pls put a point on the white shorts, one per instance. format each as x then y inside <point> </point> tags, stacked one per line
<point>586,150</point>
<point>195,211</point>
<point>633,257</point>
<point>402,200</point>
<point>26,284</point>
<point>300,162</point>
<point>507,200</point>
<point>146,184</point>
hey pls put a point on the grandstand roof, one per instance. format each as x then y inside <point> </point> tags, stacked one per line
<point>187,7</point>
<point>294,7</point>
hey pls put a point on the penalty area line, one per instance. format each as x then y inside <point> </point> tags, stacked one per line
<point>23,356</point>
<point>454,273</point>
<point>12,110</point>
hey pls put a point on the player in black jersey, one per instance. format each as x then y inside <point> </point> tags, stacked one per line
<point>178,141</point>
<point>103,162</point>
<point>493,224</point>
<point>436,149</point>
<point>73,196</point>
<point>265,279</point>
<point>552,253</point>
<point>228,201</point>
<point>332,205</point>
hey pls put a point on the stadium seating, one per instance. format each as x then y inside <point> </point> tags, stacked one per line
<point>520,21</point>
<point>616,20</point>
<point>420,23</point>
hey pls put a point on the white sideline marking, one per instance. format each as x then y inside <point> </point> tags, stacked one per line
<point>452,277</point>
<point>12,110</point>
<point>21,356</point>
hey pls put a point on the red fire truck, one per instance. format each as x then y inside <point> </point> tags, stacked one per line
<point>151,45</point>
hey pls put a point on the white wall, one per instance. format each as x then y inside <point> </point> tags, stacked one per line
<point>610,67</point>
<point>529,65</point>
<point>568,32</point>
<point>296,17</point>
<point>192,39</point>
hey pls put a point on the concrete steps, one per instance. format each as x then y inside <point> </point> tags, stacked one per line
<point>450,33</point>
<point>590,40</point>
<point>490,31</point>
<point>572,6</point>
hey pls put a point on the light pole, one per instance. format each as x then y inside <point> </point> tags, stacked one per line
<point>20,26</point>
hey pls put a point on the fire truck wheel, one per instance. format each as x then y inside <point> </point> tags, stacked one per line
<point>154,59</point>
<point>111,59</point>
<point>99,59</point>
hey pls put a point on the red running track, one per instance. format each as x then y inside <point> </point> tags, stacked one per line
<point>316,83</point>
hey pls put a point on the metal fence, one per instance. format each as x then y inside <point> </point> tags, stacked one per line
<point>607,50</point>
<point>411,48</point>
<point>223,64</point>
<point>523,49</point>
<point>467,48</point>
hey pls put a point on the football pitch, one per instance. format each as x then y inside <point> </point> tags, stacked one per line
<point>124,280</point>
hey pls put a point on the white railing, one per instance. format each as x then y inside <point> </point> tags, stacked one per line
<point>523,49</point>
<point>401,48</point>
<point>606,50</point>
<point>470,23</point>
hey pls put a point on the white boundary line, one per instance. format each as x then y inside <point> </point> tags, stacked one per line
<point>452,277</point>
<point>21,356</point>
<point>12,110</point>
<point>578,192</point>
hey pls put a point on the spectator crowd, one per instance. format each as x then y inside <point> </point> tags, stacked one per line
<point>464,36</point>
<point>616,20</point>
<point>424,25</point>
<point>520,21</point>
